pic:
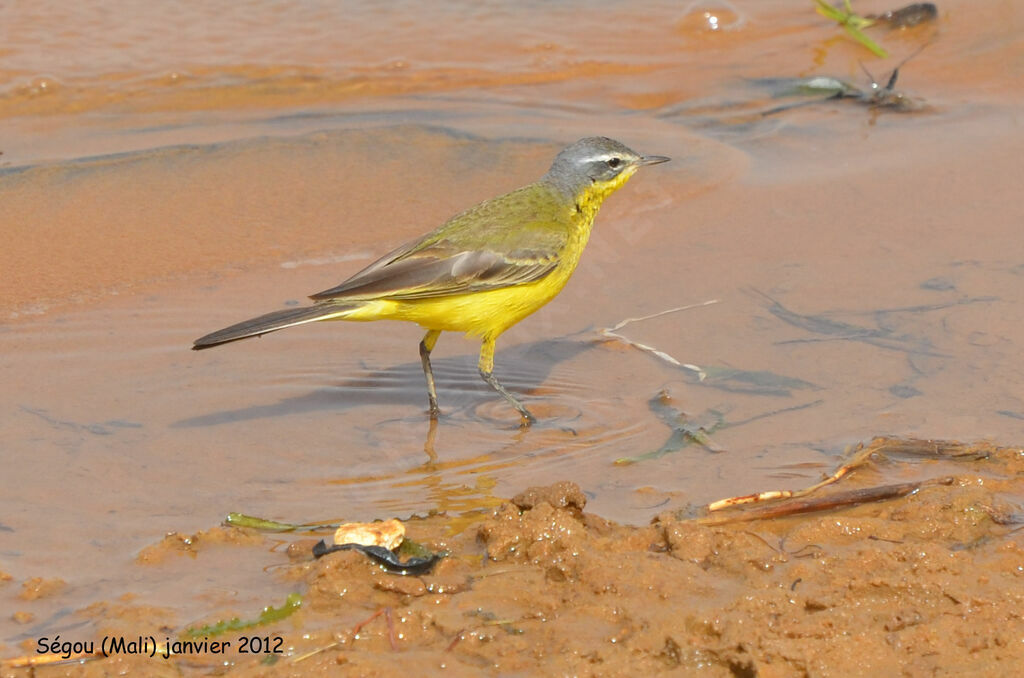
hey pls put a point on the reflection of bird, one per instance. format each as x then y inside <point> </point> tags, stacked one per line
<point>483,270</point>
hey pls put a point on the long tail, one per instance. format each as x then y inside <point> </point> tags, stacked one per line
<point>271,322</point>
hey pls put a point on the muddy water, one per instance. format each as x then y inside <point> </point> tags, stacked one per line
<point>190,171</point>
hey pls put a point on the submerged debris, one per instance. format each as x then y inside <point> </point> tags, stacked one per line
<point>826,88</point>
<point>754,382</point>
<point>830,329</point>
<point>888,97</point>
<point>687,430</point>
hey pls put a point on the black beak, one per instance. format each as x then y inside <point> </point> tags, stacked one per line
<point>652,160</point>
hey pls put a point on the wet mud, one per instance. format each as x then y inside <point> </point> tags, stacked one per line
<point>925,584</point>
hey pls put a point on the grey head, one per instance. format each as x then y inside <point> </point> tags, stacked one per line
<point>596,160</point>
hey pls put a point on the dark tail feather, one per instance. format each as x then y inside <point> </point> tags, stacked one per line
<point>271,322</point>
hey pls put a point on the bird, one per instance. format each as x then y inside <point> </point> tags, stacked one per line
<point>480,272</point>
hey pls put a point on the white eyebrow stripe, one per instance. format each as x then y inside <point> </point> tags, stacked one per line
<point>602,157</point>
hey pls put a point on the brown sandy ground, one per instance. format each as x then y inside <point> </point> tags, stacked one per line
<point>928,584</point>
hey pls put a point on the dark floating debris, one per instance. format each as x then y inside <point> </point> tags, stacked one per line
<point>854,24</point>
<point>906,17</point>
<point>389,560</point>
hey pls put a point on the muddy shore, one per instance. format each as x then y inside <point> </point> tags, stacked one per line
<point>927,584</point>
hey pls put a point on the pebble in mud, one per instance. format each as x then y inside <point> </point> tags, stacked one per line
<point>39,587</point>
<point>23,617</point>
<point>180,544</point>
<point>563,494</point>
<point>406,586</point>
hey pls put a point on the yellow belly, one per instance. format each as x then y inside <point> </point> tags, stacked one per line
<point>479,314</point>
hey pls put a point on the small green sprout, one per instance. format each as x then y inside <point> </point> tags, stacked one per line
<point>852,23</point>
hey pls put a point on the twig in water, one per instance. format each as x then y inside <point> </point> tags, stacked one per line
<point>861,455</point>
<point>612,333</point>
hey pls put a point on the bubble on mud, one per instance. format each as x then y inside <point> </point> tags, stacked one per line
<point>40,85</point>
<point>709,16</point>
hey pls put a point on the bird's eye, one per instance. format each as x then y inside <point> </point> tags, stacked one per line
<point>614,162</point>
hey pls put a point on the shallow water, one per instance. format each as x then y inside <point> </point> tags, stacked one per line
<point>142,210</point>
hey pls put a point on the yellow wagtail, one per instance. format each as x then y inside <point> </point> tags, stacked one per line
<point>483,270</point>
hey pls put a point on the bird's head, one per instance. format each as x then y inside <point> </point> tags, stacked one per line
<point>595,167</point>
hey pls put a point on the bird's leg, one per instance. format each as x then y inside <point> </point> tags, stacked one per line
<point>426,346</point>
<point>486,366</point>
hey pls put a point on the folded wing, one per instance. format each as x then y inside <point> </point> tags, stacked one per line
<point>503,242</point>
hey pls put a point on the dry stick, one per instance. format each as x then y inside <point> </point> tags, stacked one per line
<point>30,662</point>
<point>611,333</point>
<point>850,498</point>
<point>386,611</point>
<point>359,627</point>
<point>312,653</point>
<point>933,448</point>
<point>455,641</point>
<point>391,629</point>
<point>861,455</point>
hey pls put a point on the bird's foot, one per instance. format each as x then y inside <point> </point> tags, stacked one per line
<point>527,420</point>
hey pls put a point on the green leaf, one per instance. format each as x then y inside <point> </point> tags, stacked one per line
<point>851,23</point>
<point>242,520</point>
<point>875,48</point>
<point>268,616</point>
